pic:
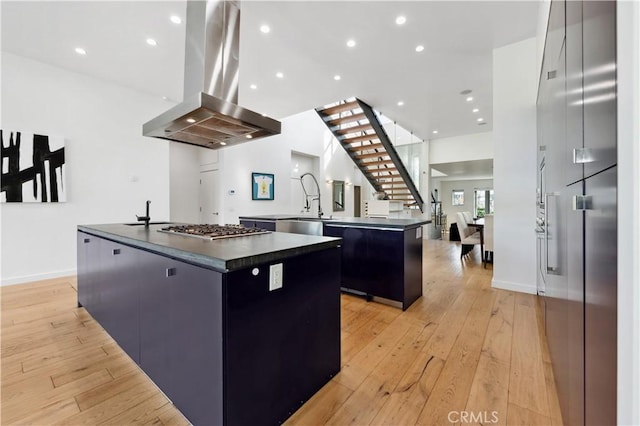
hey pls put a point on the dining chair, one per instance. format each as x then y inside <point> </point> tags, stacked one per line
<point>488,239</point>
<point>468,238</point>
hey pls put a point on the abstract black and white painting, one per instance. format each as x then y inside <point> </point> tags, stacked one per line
<point>32,168</point>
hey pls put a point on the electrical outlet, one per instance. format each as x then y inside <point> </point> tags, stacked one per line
<point>275,277</point>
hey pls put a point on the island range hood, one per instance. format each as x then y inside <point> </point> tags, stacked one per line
<point>210,115</point>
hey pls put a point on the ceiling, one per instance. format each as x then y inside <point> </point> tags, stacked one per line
<point>307,43</point>
<point>463,170</point>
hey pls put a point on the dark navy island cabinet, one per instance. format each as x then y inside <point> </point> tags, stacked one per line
<point>381,263</point>
<point>220,345</point>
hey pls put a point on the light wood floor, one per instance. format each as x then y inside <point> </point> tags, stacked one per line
<point>462,354</point>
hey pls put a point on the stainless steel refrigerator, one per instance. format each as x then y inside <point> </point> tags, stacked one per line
<point>577,207</point>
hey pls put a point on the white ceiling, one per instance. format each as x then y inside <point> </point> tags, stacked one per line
<point>307,43</point>
<point>463,170</point>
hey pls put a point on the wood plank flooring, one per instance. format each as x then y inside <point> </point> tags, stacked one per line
<point>464,353</point>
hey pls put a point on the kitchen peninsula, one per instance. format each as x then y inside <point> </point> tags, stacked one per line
<point>234,331</point>
<point>381,258</point>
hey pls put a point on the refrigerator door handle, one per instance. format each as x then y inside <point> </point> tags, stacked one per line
<point>553,270</point>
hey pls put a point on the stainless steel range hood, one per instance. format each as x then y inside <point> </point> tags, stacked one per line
<point>209,115</point>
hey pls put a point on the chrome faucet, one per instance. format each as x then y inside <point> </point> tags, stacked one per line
<point>312,197</point>
<point>146,218</point>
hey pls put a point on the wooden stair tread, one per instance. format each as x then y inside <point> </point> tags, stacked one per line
<point>354,129</point>
<point>363,138</point>
<point>372,155</point>
<point>369,147</point>
<point>348,119</point>
<point>376,163</point>
<point>340,108</point>
<point>383,170</point>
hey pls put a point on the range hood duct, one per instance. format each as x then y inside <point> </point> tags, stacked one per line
<point>209,115</point>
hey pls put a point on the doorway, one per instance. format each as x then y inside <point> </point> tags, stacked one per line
<point>209,197</point>
<point>357,201</point>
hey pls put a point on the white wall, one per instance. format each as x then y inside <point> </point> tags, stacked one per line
<point>301,133</point>
<point>477,146</point>
<point>111,169</point>
<point>628,28</point>
<point>468,186</point>
<point>514,167</point>
<point>184,182</point>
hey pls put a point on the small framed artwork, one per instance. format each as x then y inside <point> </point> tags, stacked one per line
<point>262,186</point>
<point>457,197</point>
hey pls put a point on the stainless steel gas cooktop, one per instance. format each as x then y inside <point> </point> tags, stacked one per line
<point>213,232</point>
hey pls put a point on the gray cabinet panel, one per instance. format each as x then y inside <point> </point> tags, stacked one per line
<point>574,102</point>
<point>181,334</point>
<point>574,400</point>
<point>155,318</point>
<point>118,296</point>
<point>195,354</point>
<point>599,79</point>
<point>601,299</point>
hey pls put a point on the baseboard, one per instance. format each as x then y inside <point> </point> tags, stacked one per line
<point>38,277</point>
<point>520,288</point>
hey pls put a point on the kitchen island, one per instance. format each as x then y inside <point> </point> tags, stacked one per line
<point>234,331</point>
<point>381,258</point>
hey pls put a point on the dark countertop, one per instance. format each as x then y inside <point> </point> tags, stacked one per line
<point>355,222</point>
<point>374,222</point>
<point>271,217</point>
<point>220,255</point>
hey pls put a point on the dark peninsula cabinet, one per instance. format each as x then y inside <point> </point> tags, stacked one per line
<point>224,345</point>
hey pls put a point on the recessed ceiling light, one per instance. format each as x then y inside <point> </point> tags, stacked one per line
<point>264,115</point>
<point>351,43</point>
<point>476,110</point>
<point>435,132</point>
<point>480,119</point>
<point>164,98</point>
<point>279,75</point>
<point>80,51</point>
<point>419,48</point>
<point>465,92</point>
<point>223,143</point>
<point>249,137</point>
<point>152,42</point>
<point>190,120</point>
<point>469,98</point>
<point>265,29</point>
<point>400,20</point>
<point>336,77</point>
<point>400,103</point>
<point>176,19</point>
<point>253,86</point>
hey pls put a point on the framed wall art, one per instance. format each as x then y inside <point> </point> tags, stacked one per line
<point>262,186</point>
<point>33,168</point>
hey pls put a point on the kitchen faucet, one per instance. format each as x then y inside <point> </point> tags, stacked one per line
<point>313,197</point>
<point>146,218</point>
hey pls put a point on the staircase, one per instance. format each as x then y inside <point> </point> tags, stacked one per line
<point>356,127</point>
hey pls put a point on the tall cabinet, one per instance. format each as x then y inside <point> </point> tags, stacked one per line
<point>577,181</point>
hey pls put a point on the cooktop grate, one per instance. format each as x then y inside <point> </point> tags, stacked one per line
<point>213,232</point>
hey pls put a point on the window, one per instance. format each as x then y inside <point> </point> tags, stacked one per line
<point>457,197</point>
<point>483,202</point>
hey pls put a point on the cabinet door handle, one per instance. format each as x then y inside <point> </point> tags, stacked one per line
<point>581,202</point>
<point>171,272</point>
<point>116,251</point>
<point>87,240</point>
